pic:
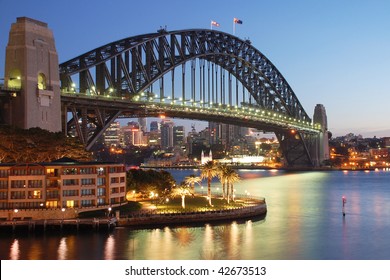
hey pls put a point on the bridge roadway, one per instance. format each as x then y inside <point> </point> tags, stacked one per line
<point>248,116</point>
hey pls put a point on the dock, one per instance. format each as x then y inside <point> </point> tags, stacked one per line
<point>96,224</point>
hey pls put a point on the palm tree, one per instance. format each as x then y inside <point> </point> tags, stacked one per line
<point>222,169</point>
<point>192,180</point>
<point>182,190</point>
<point>209,170</point>
<point>231,177</point>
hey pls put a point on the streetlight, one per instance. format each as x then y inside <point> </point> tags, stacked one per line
<point>63,213</point>
<point>109,211</point>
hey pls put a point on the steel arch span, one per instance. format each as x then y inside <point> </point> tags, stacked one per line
<point>211,75</point>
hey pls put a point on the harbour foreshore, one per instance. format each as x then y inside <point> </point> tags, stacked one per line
<point>169,218</point>
<point>144,218</point>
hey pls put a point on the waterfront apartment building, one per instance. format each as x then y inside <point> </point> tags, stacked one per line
<point>61,184</point>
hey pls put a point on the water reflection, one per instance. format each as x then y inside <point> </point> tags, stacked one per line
<point>14,250</point>
<point>184,236</point>
<point>62,249</point>
<point>304,221</point>
<point>109,248</point>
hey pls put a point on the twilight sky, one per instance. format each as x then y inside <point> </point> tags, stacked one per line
<point>332,52</point>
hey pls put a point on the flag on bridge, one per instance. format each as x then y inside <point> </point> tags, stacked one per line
<point>238,21</point>
<point>214,23</point>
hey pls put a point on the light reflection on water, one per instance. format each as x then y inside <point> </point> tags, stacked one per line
<point>304,221</point>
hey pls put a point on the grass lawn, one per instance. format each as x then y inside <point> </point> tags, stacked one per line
<point>124,209</point>
<point>198,203</point>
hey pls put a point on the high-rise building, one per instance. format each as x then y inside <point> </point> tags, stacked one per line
<point>142,124</point>
<point>154,126</point>
<point>166,134</point>
<point>127,133</point>
<point>112,135</point>
<point>178,136</point>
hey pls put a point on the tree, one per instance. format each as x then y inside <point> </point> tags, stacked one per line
<point>209,170</point>
<point>222,170</point>
<point>192,180</point>
<point>38,145</point>
<point>231,177</point>
<point>182,190</point>
<point>146,181</point>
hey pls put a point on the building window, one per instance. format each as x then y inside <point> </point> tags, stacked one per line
<point>87,181</point>
<point>101,201</point>
<point>3,184</point>
<point>86,192</point>
<point>101,171</point>
<point>101,181</point>
<point>70,182</point>
<point>41,81</point>
<point>4,173</point>
<point>35,183</point>
<point>70,193</point>
<point>18,184</point>
<point>86,170</point>
<point>52,194</point>
<point>52,172</point>
<point>101,191</point>
<point>70,171</point>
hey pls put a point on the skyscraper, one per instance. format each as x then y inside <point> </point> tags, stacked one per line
<point>178,136</point>
<point>154,126</point>
<point>166,134</point>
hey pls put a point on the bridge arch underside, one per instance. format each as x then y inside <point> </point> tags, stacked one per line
<point>195,74</point>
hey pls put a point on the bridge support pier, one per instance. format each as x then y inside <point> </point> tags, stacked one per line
<point>320,151</point>
<point>31,65</point>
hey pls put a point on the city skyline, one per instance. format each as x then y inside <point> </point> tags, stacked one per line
<point>330,53</point>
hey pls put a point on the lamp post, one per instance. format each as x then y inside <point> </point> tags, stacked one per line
<point>63,214</point>
<point>109,211</point>
<point>15,211</point>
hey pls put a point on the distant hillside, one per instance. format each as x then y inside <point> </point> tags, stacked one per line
<point>38,145</point>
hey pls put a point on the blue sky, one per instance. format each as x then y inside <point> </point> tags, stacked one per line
<point>332,52</point>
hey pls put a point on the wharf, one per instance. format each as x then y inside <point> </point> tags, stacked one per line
<point>58,224</point>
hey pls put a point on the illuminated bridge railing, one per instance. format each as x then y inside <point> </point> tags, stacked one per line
<point>153,104</point>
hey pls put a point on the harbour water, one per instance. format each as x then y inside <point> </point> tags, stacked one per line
<point>304,222</point>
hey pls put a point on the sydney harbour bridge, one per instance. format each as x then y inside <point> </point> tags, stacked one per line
<point>195,74</point>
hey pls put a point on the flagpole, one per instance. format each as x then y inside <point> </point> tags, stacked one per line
<point>234,27</point>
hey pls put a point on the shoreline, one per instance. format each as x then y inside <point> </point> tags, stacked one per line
<point>250,167</point>
<point>141,219</point>
<point>194,217</point>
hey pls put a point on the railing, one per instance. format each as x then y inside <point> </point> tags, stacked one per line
<point>250,204</point>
